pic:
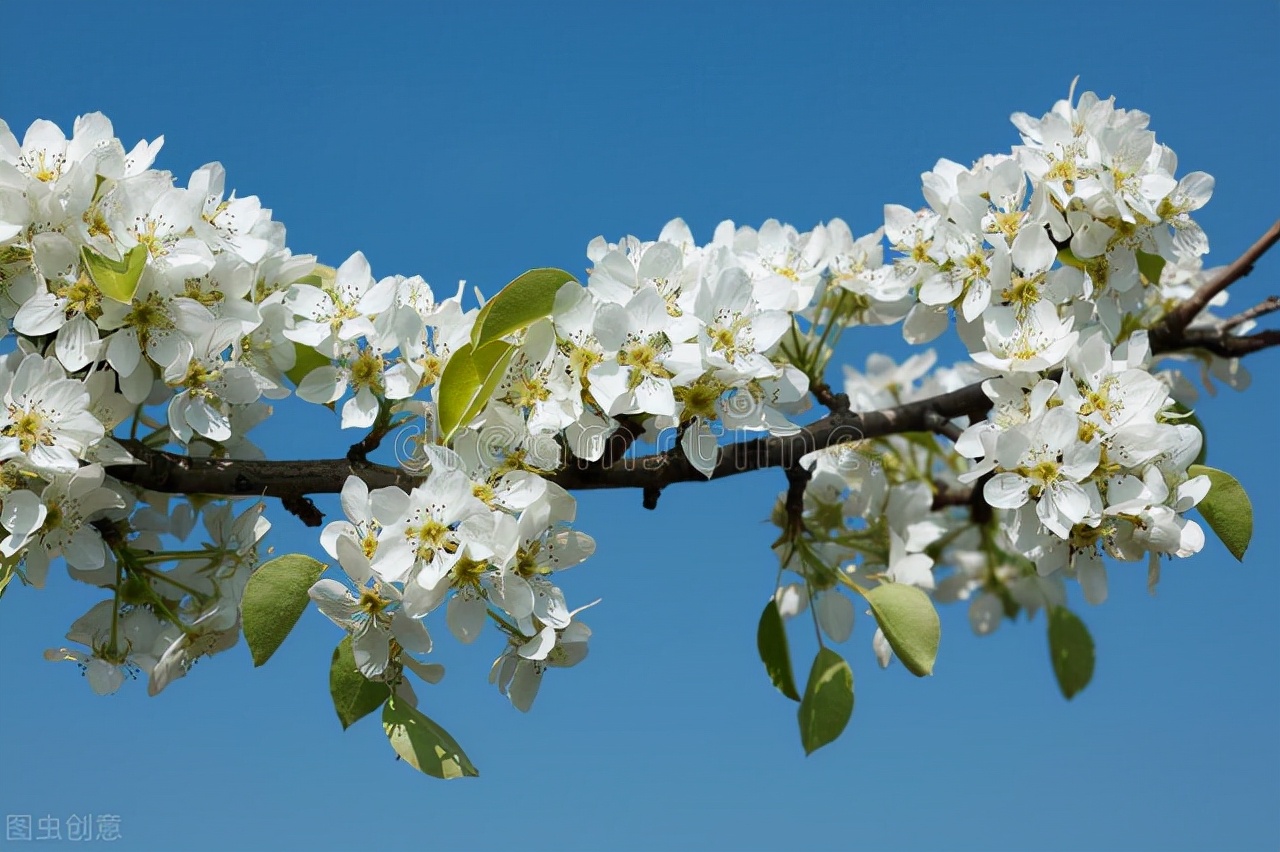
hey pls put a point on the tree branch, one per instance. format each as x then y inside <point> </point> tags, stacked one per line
<point>292,481</point>
<point>1266,306</point>
<point>1169,329</point>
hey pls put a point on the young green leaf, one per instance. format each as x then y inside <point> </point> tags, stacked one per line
<point>274,600</point>
<point>456,389</point>
<point>910,623</point>
<point>423,744</point>
<point>468,380</point>
<point>1071,650</point>
<point>521,303</point>
<point>116,279</point>
<point>305,359</point>
<point>1150,265</point>
<point>828,701</point>
<point>491,362</point>
<point>321,276</point>
<point>1226,508</point>
<point>354,695</point>
<point>771,640</point>
<point>1068,258</point>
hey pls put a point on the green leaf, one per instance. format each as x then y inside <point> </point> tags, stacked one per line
<point>521,303</point>
<point>321,276</point>
<point>910,623</point>
<point>1150,265</point>
<point>456,390</point>
<point>1068,258</point>
<point>354,695</point>
<point>828,701</point>
<point>771,640</point>
<point>1071,650</point>
<point>423,744</point>
<point>1226,508</point>
<point>274,600</point>
<point>468,380</point>
<point>117,279</point>
<point>305,359</point>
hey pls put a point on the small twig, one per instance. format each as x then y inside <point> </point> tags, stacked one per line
<point>1266,306</point>
<point>980,511</point>
<point>304,508</point>
<point>617,444</point>
<point>650,499</point>
<point>834,402</point>
<point>1219,342</point>
<point>1168,329</point>
<point>359,452</point>
<point>941,425</point>
<point>797,480</point>
<point>945,496</point>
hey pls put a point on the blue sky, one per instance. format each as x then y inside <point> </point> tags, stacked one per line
<point>478,140</point>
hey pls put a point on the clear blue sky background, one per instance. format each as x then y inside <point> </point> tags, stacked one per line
<point>477,140</point>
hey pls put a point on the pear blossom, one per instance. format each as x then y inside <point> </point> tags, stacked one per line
<point>45,419</point>
<point>343,310</point>
<point>375,618</point>
<point>518,671</point>
<point>1045,461</point>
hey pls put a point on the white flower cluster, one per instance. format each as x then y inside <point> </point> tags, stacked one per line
<point>126,291</point>
<point>1055,259</point>
<point>687,336</point>
<point>128,294</point>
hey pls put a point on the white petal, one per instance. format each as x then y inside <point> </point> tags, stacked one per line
<point>539,646</point>
<point>792,599</point>
<point>1006,491</point>
<point>884,653</point>
<point>411,634</point>
<point>524,685</point>
<point>371,649</point>
<point>985,613</point>
<point>465,616</point>
<point>835,615</point>
<point>700,447</point>
<point>1092,575</point>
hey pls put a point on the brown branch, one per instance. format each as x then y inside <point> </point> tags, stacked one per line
<point>797,481</point>
<point>1220,342</point>
<point>832,401</point>
<point>1266,306</point>
<point>617,444</point>
<point>173,473</point>
<point>943,426</point>
<point>946,496</point>
<point>1169,329</point>
<point>292,481</point>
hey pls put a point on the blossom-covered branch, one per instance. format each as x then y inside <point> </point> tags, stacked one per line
<point>174,473</point>
<point>152,323</point>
